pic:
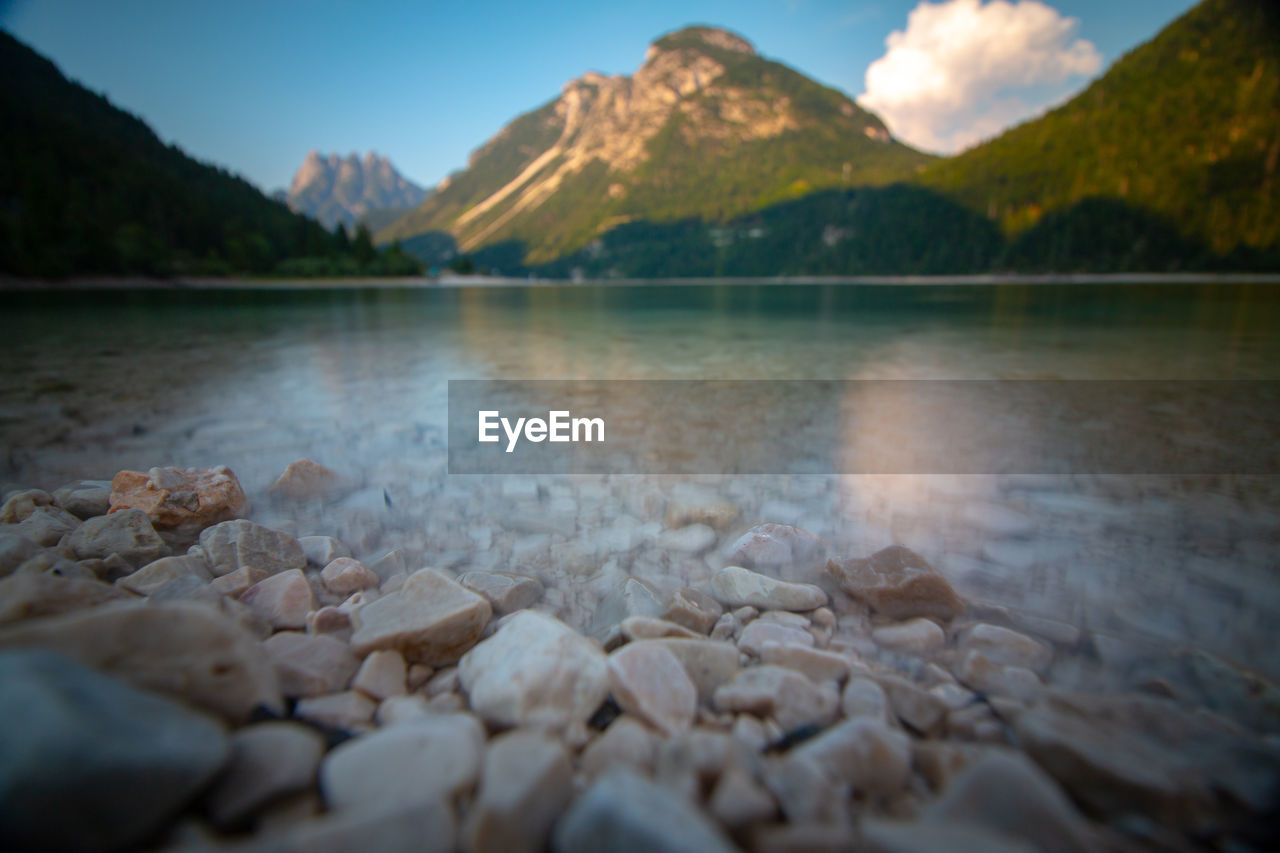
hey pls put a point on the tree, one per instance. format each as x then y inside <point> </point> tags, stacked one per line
<point>363,246</point>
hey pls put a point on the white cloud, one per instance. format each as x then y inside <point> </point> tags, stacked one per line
<point>963,70</point>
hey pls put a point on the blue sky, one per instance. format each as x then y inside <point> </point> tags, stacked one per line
<point>252,85</point>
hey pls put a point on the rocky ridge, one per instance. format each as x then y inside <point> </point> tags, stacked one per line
<point>345,190</point>
<point>278,693</point>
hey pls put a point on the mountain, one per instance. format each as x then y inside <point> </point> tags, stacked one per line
<point>349,189</point>
<point>705,128</point>
<point>1172,158</point>
<point>88,188</point>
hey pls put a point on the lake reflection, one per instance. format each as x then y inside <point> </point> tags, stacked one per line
<point>356,379</point>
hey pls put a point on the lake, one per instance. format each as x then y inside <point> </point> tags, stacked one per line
<point>357,379</point>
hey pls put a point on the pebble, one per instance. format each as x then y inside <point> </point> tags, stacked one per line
<point>234,584</point>
<point>28,596</point>
<point>625,741</point>
<point>21,504</point>
<point>625,813</point>
<point>268,762</point>
<point>738,801</point>
<point>283,599</point>
<point>648,628</point>
<point>976,670</point>
<point>1008,648</point>
<point>507,593</point>
<point>734,586</point>
<point>346,710</point>
<point>535,671</point>
<point>431,619</point>
<point>85,498</point>
<point>883,836</point>
<point>817,664</point>
<point>381,675</point>
<point>761,633</point>
<point>151,577</point>
<point>792,553</point>
<point>863,753</point>
<point>913,705</point>
<point>427,827</point>
<point>863,697</point>
<point>344,576</point>
<point>15,550</point>
<point>526,783</point>
<point>72,737</point>
<point>180,502</point>
<point>899,584</point>
<point>693,609</point>
<point>305,480</point>
<point>234,544</point>
<point>310,664</point>
<point>430,760</point>
<point>320,551</point>
<point>917,636</point>
<point>649,682</point>
<point>789,697</point>
<point>46,525</point>
<point>693,539</point>
<point>127,533</point>
<point>708,663</point>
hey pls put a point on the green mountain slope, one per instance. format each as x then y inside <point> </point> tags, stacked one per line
<point>705,128</point>
<point>1184,130</point>
<point>88,188</point>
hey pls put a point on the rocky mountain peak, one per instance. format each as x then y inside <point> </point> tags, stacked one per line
<point>344,189</point>
<point>701,36</point>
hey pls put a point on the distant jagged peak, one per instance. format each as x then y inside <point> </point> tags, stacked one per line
<point>700,36</point>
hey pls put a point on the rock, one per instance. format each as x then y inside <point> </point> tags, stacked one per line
<point>805,793</point>
<point>431,619</point>
<point>1005,792</point>
<point>624,813</point>
<point>535,671</point>
<point>898,583</point>
<point>917,636</point>
<point>640,599</point>
<point>863,697</point>
<point>818,665</point>
<point>304,480</point>
<point>402,709</point>
<point>626,741</point>
<point>128,533</point>
<point>882,836</point>
<point>268,761</point>
<point>180,502</point>
<point>421,828</point>
<point>15,550</point>
<point>648,628</point>
<point>863,753</point>
<point>50,563</point>
<point>85,498</point>
<point>976,670</point>
<point>382,675</point>
<point>320,551</point>
<point>46,525</point>
<point>310,664</point>
<point>431,760</point>
<point>802,838</point>
<point>154,575</point>
<point>914,706</point>
<point>694,539</point>
<point>109,570</point>
<point>701,509</point>
<point>234,544</point>
<point>188,651</point>
<point>19,505</point>
<point>790,553</point>
<point>346,710</point>
<point>344,576</point>
<point>507,593</point>
<point>708,663</point>
<point>1008,648</point>
<point>761,633</point>
<point>695,610</point>
<point>89,763</point>
<point>283,599</point>
<point>29,596</point>
<point>738,801</point>
<point>789,697</point>
<point>734,586</point>
<point>526,784</point>
<point>649,682</point>
<point>389,566</point>
<point>236,583</point>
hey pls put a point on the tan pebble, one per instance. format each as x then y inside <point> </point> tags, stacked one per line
<point>339,710</point>
<point>626,741</point>
<point>381,675</point>
<point>344,576</point>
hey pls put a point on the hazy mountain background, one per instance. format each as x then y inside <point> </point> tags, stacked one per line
<point>347,190</point>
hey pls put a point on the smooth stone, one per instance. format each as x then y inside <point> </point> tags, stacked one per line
<point>236,583</point>
<point>917,636</point>
<point>433,759</point>
<point>708,663</point>
<point>648,628</point>
<point>913,705</point>
<point>863,753</point>
<point>738,801</point>
<point>50,562</point>
<point>88,763</point>
<point>85,498</point>
<point>46,525</point>
<point>817,664</point>
<point>109,570</point>
<point>344,576</point>
<point>15,550</point>
<point>789,552</point>
<point>535,671</point>
<point>390,565</point>
<point>320,551</point>
<point>180,502</point>
<point>310,664</point>
<point>283,599</point>
<point>234,544</point>
<point>268,761</point>
<point>186,650</point>
<point>402,709</point>
<point>31,596</point>
<point>154,575</point>
<point>1009,648</point>
<point>863,697</point>
<point>526,783</point>
<point>761,633</point>
<point>625,813</point>
<point>346,710</point>
<point>431,619</point>
<point>381,675</point>
<point>976,670</point>
<point>128,533</point>
<point>626,741</point>
<point>693,539</point>
<point>427,827</point>
<point>21,504</point>
<point>789,697</point>
<point>734,586</point>
<point>305,480</point>
<point>507,593</point>
<point>640,599</point>
<point>693,609</point>
<point>649,682</point>
<point>883,836</point>
<point>701,508</point>
<point>801,838</point>
<point>898,583</point>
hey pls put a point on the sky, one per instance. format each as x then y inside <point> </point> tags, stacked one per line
<point>253,85</point>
